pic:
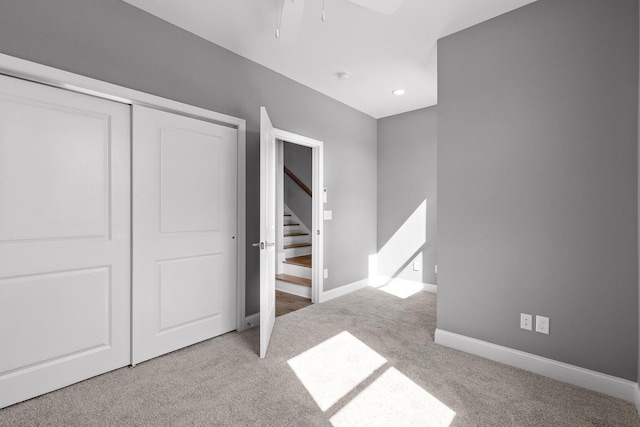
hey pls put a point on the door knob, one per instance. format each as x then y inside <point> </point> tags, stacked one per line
<point>262,245</point>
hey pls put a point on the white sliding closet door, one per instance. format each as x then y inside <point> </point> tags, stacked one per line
<point>184,229</point>
<point>64,238</point>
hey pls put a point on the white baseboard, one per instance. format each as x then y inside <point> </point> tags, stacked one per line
<point>380,281</point>
<point>428,287</point>
<point>343,290</point>
<point>637,398</point>
<point>377,282</point>
<point>252,321</point>
<point>592,380</point>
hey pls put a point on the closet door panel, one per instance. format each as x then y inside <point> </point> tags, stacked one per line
<point>64,238</point>
<point>184,228</point>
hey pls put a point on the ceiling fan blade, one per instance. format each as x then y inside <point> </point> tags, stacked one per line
<point>291,20</point>
<point>388,7</point>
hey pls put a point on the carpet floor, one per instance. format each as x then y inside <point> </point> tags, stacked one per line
<point>367,358</point>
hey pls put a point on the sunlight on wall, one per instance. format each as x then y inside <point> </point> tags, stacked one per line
<point>405,242</point>
<point>394,400</point>
<point>333,368</point>
<point>336,367</point>
<point>396,257</point>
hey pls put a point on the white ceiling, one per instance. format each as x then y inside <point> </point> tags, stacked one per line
<point>382,52</point>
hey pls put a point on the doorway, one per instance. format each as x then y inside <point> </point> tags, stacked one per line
<point>294,242</point>
<point>272,213</point>
<point>297,143</point>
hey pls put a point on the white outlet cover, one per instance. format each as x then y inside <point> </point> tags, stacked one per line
<point>436,269</point>
<point>326,273</point>
<point>526,321</point>
<point>416,265</point>
<point>542,324</point>
<point>328,215</point>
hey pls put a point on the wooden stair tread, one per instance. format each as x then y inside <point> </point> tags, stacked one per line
<point>297,245</point>
<point>290,225</point>
<point>295,234</point>
<point>294,279</point>
<point>302,261</point>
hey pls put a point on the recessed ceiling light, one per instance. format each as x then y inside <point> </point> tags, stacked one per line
<point>398,92</point>
<point>344,75</point>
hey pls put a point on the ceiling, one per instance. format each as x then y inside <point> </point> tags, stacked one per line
<point>381,52</point>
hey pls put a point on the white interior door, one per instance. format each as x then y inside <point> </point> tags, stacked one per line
<point>64,238</point>
<point>184,231</point>
<point>267,230</point>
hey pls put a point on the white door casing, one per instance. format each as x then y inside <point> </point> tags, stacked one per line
<point>64,238</point>
<point>317,228</point>
<point>184,231</point>
<point>267,230</point>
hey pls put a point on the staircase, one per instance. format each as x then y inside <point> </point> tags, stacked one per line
<point>294,275</point>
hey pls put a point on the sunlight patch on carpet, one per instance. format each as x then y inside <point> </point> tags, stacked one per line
<point>393,400</point>
<point>401,288</point>
<point>330,370</point>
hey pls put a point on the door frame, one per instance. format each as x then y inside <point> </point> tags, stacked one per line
<point>38,73</point>
<point>317,190</point>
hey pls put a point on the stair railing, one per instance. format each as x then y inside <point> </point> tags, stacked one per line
<point>297,181</point>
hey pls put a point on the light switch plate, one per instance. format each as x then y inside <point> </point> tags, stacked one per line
<point>328,215</point>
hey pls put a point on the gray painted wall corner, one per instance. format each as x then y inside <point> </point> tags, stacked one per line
<point>538,181</point>
<point>407,195</point>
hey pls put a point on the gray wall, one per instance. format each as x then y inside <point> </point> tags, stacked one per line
<point>537,181</point>
<point>639,209</point>
<point>406,177</point>
<point>298,159</point>
<point>115,42</point>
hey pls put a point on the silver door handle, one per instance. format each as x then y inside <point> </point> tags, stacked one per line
<point>262,245</point>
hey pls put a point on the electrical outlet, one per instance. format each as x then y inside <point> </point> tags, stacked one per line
<point>542,324</point>
<point>416,265</point>
<point>326,273</point>
<point>436,269</point>
<point>526,321</point>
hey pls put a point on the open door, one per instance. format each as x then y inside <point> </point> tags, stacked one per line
<point>267,230</point>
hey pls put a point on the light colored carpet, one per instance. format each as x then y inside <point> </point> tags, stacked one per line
<point>367,358</point>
